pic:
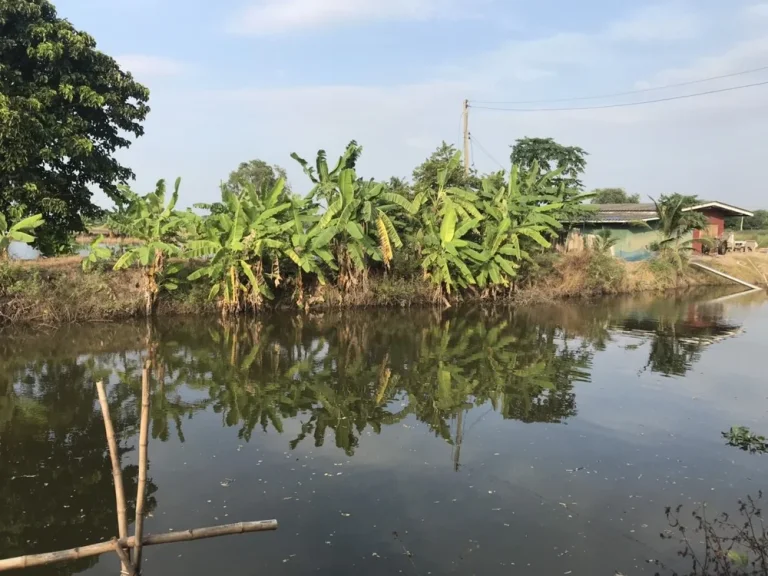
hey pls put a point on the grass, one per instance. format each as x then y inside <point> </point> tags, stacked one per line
<point>56,291</point>
<point>760,236</point>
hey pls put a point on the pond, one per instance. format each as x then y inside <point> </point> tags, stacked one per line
<point>536,440</point>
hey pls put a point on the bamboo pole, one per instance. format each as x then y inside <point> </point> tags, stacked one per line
<point>122,520</point>
<point>124,560</point>
<point>150,540</point>
<point>142,482</point>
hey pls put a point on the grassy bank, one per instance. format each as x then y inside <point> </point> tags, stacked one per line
<point>57,291</point>
<point>759,236</point>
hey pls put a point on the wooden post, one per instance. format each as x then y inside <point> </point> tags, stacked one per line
<point>466,137</point>
<point>151,540</point>
<point>122,520</point>
<point>142,482</point>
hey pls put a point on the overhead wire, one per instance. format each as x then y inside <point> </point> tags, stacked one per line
<point>624,104</point>
<point>479,145</point>
<point>629,92</point>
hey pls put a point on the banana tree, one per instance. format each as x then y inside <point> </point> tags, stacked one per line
<point>364,214</point>
<point>241,239</point>
<point>326,180</point>
<point>308,245</point>
<point>511,215</point>
<point>19,232</point>
<point>158,227</point>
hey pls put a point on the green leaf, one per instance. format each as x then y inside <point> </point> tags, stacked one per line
<point>739,558</point>
<point>170,286</point>
<point>28,223</point>
<point>354,230</point>
<point>535,235</point>
<point>215,289</point>
<point>448,225</point>
<point>324,238</point>
<point>3,224</point>
<point>249,273</point>
<point>144,255</point>
<point>125,260</point>
<point>20,236</point>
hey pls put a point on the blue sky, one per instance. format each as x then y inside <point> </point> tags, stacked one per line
<point>237,80</point>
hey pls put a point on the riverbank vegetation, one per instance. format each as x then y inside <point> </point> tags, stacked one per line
<point>449,237</point>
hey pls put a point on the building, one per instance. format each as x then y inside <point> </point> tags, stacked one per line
<point>635,225</point>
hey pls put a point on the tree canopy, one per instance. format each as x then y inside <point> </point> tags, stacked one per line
<point>550,156</point>
<point>65,108</point>
<point>614,196</point>
<point>425,175</point>
<point>757,222</point>
<point>257,173</point>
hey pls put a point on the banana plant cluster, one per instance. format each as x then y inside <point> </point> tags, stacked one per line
<point>256,240</point>
<point>477,239</point>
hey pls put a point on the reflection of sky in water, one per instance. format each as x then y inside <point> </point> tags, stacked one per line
<point>585,496</point>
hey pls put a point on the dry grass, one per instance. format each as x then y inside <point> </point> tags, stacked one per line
<point>751,267</point>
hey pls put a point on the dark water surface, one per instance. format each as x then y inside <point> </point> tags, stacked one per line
<point>481,441</point>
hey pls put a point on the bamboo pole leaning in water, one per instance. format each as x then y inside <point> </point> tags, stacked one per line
<point>142,482</point>
<point>150,540</point>
<point>122,519</point>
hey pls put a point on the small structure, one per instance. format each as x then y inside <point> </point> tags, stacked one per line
<point>635,225</point>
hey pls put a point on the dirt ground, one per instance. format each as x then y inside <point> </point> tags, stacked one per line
<point>751,267</point>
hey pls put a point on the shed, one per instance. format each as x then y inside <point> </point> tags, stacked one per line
<point>635,225</point>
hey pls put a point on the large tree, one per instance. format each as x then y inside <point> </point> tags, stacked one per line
<point>256,173</point>
<point>550,155</point>
<point>425,175</point>
<point>614,196</point>
<point>65,108</point>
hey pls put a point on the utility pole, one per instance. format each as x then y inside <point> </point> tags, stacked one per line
<point>466,137</point>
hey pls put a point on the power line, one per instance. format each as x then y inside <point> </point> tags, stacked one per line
<point>630,92</point>
<point>479,145</point>
<point>626,104</point>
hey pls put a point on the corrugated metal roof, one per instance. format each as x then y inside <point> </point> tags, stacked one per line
<point>622,213</point>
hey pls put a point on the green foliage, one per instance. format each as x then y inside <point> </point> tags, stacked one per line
<point>18,232</point>
<point>479,238</point>
<point>255,174</point>
<point>65,108</point>
<point>426,174</point>
<point>326,180</point>
<point>675,223</point>
<point>550,156</point>
<point>158,227</point>
<point>614,196</point>
<point>604,273</point>
<point>604,241</point>
<point>757,222</point>
<point>96,253</point>
<point>742,438</point>
<point>242,239</point>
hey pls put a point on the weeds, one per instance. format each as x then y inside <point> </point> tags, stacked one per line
<point>741,437</point>
<point>731,547</point>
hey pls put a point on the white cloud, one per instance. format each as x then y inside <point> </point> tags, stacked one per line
<point>660,23</point>
<point>744,55</point>
<point>145,66</point>
<point>758,10</point>
<point>267,17</point>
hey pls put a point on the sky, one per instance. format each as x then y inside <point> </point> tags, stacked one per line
<point>236,80</point>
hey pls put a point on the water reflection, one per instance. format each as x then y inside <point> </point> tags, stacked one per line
<point>338,375</point>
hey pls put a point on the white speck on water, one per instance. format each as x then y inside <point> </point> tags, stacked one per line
<point>375,555</point>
